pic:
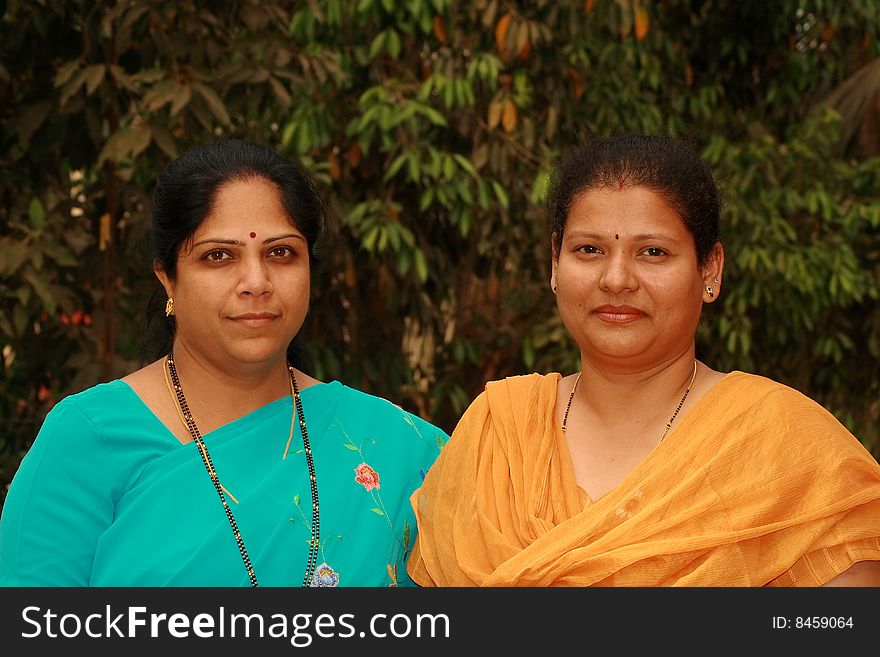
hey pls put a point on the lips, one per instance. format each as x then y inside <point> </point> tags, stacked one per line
<point>618,314</point>
<point>254,320</point>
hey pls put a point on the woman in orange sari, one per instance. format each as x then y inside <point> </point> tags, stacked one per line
<point>648,467</point>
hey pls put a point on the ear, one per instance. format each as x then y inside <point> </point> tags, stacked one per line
<point>164,279</point>
<point>713,273</point>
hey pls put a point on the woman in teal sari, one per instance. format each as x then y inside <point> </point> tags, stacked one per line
<point>223,463</point>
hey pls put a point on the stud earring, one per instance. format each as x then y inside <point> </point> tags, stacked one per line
<point>169,307</point>
<point>709,290</point>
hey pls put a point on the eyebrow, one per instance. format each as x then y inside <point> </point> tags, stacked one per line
<point>580,234</point>
<point>642,237</point>
<point>268,240</point>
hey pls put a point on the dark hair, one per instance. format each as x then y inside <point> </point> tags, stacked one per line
<point>664,165</point>
<point>184,195</point>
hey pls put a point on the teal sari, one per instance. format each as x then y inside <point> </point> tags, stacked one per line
<point>107,496</point>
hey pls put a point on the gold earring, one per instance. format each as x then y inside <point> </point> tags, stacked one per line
<point>169,307</point>
<point>709,290</point>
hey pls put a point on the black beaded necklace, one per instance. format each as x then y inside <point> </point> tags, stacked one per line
<point>668,424</point>
<point>186,415</point>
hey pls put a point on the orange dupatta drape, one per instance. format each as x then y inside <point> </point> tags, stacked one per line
<point>757,485</point>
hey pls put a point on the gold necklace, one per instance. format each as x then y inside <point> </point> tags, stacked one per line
<point>668,424</point>
<point>187,418</point>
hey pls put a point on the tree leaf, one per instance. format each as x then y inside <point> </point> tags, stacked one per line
<point>40,285</point>
<point>439,29</point>
<point>71,87</point>
<point>377,45</point>
<point>465,164</point>
<point>164,140</point>
<point>393,45</point>
<point>421,265</point>
<point>522,40</point>
<point>122,78</point>
<point>508,118</point>
<point>30,119</point>
<point>37,213</point>
<point>181,98</point>
<point>12,254</point>
<point>494,118</point>
<point>641,23</point>
<point>212,100</point>
<point>159,94</point>
<point>60,254</point>
<point>94,75</point>
<point>65,72</point>
<point>78,240</point>
<point>501,34</point>
<point>128,142</point>
<point>280,92</point>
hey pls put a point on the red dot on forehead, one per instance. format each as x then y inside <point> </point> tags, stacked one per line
<point>253,235</point>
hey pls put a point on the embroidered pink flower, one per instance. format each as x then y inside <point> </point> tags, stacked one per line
<point>364,474</point>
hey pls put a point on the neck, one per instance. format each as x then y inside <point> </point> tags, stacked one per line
<point>612,393</point>
<point>215,393</point>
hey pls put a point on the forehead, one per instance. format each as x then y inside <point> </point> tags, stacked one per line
<point>630,208</point>
<point>244,206</point>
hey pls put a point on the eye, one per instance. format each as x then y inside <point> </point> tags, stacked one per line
<point>655,251</point>
<point>282,252</point>
<point>216,256</point>
<point>588,248</point>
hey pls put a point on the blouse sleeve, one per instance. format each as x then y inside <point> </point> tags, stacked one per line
<point>59,503</point>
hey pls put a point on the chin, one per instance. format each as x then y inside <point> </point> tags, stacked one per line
<point>616,350</point>
<point>258,354</point>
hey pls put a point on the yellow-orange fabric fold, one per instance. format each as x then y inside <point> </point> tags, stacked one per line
<point>757,485</point>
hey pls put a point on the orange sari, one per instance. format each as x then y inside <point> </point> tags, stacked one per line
<point>757,485</point>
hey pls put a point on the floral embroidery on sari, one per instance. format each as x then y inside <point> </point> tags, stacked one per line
<point>367,477</point>
<point>324,575</point>
<point>364,474</point>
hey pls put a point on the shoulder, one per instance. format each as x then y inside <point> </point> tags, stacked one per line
<point>515,401</point>
<point>101,405</point>
<point>354,403</point>
<point>70,455</point>
<point>521,394</point>
<point>763,395</point>
<point>755,383</point>
<point>523,382</point>
<point>90,405</point>
<point>757,405</point>
<point>107,419</point>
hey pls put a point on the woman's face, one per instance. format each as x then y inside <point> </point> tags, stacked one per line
<point>241,291</point>
<point>628,286</point>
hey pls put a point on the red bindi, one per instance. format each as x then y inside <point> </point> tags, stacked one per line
<point>253,235</point>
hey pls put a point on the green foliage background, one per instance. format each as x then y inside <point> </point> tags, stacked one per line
<point>431,125</point>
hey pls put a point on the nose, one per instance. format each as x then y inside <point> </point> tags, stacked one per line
<point>618,274</point>
<point>254,277</point>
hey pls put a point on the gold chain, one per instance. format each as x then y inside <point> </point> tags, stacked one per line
<point>186,417</point>
<point>668,424</point>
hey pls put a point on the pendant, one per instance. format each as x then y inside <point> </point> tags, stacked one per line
<point>324,576</point>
